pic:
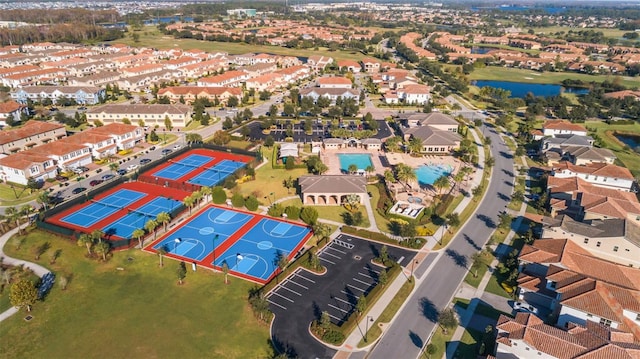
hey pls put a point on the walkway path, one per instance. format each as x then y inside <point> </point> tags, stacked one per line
<point>36,268</point>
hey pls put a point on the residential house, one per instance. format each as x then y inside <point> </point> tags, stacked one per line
<point>371,65</point>
<point>599,174</point>
<point>331,93</point>
<point>318,63</point>
<point>562,127</point>
<point>20,167</point>
<point>9,111</point>
<point>86,95</point>
<point>151,115</point>
<point>579,155</point>
<point>125,136</point>
<point>332,190</point>
<point>189,93</point>
<point>32,133</point>
<point>232,78</point>
<point>349,65</point>
<point>414,94</point>
<point>433,140</point>
<point>334,82</point>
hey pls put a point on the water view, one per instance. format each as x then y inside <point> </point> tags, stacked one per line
<point>481,50</point>
<point>633,141</point>
<point>520,89</point>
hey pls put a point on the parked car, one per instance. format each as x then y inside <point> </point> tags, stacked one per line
<point>177,147</point>
<point>132,167</point>
<point>525,307</point>
<point>152,148</point>
<point>78,190</point>
<point>121,172</point>
<point>61,178</point>
<point>107,177</point>
<point>166,151</point>
<point>96,182</point>
<point>145,160</point>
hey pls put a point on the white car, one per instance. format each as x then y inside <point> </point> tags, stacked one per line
<point>177,147</point>
<point>525,307</point>
<point>132,167</point>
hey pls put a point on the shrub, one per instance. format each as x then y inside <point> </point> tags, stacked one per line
<point>309,215</point>
<point>230,182</point>
<point>333,337</point>
<point>237,200</point>
<point>290,163</point>
<point>218,195</point>
<point>276,210</point>
<point>251,203</point>
<point>292,212</point>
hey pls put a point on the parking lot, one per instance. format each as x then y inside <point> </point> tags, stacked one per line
<point>320,130</point>
<point>303,296</point>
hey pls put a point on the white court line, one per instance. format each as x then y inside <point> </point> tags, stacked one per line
<point>366,275</point>
<point>343,301</point>
<point>282,296</point>
<point>372,270</point>
<point>363,282</point>
<point>303,277</point>
<point>296,283</point>
<point>337,250</point>
<point>338,308</point>
<point>291,290</point>
<point>349,294</point>
<point>354,287</point>
<point>326,260</point>
<point>277,305</point>
<point>333,255</point>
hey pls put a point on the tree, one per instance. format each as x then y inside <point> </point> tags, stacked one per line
<point>431,349</point>
<point>283,262</point>
<point>193,137</point>
<point>181,272</point>
<point>309,215</point>
<point>138,233</point>
<point>352,169</point>
<point>44,199</point>
<point>476,263</point>
<point>453,219</point>
<point>325,321</point>
<point>218,195</point>
<point>383,278</point>
<point>361,304</point>
<point>103,249</point>
<point>405,173</point>
<point>164,218</point>
<point>476,191</point>
<point>97,235</point>
<point>504,221</point>
<point>221,138</point>
<point>384,255</point>
<point>151,226</point>
<point>369,170</point>
<point>85,240</point>
<point>269,141</point>
<point>113,166</point>
<point>489,162</point>
<point>321,230</point>
<point>23,294</point>
<point>447,320</point>
<point>167,123</point>
<point>162,251</point>
<point>225,270</point>
<point>13,214</point>
<point>289,182</point>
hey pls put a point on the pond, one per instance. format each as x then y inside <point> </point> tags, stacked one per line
<point>633,141</point>
<point>520,89</point>
<point>481,50</point>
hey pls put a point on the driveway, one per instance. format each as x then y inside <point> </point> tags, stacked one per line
<point>303,296</point>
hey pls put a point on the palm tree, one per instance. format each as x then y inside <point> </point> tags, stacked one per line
<point>161,253</point>
<point>12,215</point>
<point>415,145</point>
<point>44,199</point>
<point>352,169</point>
<point>476,263</point>
<point>388,176</point>
<point>151,226</point>
<point>489,162</point>
<point>225,270</point>
<point>441,183</point>
<point>197,197</point>
<point>188,202</point>
<point>85,240</point>
<point>193,137</point>
<point>97,235</point>
<point>103,249</point>
<point>369,171</point>
<point>206,192</point>
<point>289,182</point>
<point>138,233</point>
<point>405,173</point>
<point>164,218</point>
<point>113,166</point>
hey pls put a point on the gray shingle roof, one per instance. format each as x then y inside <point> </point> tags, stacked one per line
<point>333,184</point>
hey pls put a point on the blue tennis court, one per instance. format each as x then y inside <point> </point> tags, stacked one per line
<point>195,239</point>
<point>183,167</point>
<point>257,252</point>
<point>99,210</point>
<point>136,218</point>
<point>216,174</point>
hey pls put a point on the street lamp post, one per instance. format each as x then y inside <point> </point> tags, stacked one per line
<point>366,327</point>
<point>444,227</point>
<point>413,263</point>
<point>214,249</point>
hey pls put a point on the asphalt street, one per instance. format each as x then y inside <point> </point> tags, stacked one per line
<point>303,296</point>
<point>413,326</point>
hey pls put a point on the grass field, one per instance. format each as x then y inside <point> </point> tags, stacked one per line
<point>152,37</point>
<point>607,32</point>
<point>138,311</point>
<point>498,73</point>
<point>629,159</point>
<point>332,213</point>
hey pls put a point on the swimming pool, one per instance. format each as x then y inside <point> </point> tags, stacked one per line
<point>427,174</point>
<point>361,160</point>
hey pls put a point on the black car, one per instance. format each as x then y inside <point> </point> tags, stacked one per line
<point>145,160</point>
<point>107,177</point>
<point>121,172</point>
<point>152,148</point>
<point>78,190</point>
<point>166,151</point>
<point>61,178</point>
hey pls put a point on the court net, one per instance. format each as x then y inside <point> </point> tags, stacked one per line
<point>106,204</point>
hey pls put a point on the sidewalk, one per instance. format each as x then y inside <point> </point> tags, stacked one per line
<point>36,268</point>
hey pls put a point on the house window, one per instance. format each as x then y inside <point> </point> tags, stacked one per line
<point>606,322</point>
<point>598,244</point>
<point>615,248</point>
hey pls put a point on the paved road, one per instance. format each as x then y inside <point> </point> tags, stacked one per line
<point>413,326</point>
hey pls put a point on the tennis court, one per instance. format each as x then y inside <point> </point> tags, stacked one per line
<point>183,167</point>
<point>257,252</point>
<point>250,244</point>
<point>100,209</point>
<point>216,174</point>
<point>136,218</point>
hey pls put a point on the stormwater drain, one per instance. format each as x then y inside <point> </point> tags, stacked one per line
<point>357,258</point>
<point>28,318</point>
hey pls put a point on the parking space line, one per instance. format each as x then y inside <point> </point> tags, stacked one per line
<point>338,308</point>
<point>349,294</point>
<point>336,249</point>
<point>277,305</point>
<point>354,287</point>
<point>292,291</point>
<point>298,284</point>
<point>305,278</point>
<point>366,275</point>
<point>343,301</point>
<point>372,270</point>
<point>363,282</point>
<point>282,296</point>
<point>400,260</point>
<point>326,260</point>
<point>336,318</point>
<point>333,255</point>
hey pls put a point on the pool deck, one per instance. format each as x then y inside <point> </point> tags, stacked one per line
<point>331,159</point>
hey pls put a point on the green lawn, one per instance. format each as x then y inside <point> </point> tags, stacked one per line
<point>332,213</point>
<point>607,32</point>
<point>499,73</point>
<point>494,287</point>
<point>475,281</point>
<point>138,311</point>
<point>630,159</point>
<point>15,196</point>
<point>151,37</point>
<point>381,221</point>
<point>469,344</point>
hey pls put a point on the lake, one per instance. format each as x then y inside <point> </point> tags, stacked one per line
<point>520,89</point>
<point>632,141</point>
<point>481,50</point>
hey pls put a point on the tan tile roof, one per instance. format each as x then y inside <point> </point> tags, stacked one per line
<point>9,106</point>
<point>335,80</point>
<point>563,125</point>
<point>141,109</point>
<point>30,128</point>
<point>597,169</point>
<point>114,128</point>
